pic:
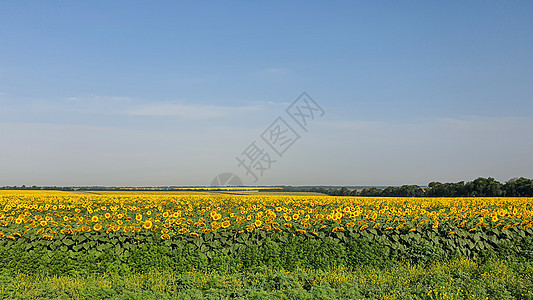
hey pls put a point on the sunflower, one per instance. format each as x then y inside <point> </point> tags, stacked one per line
<point>94,219</point>
<point>194,234</point>
<point>43,223</point>
<point>138,217</point>
<point>350,224</point>
<point>258,223</point>
<point>86,229</point>
<point>266,228</point>
<point>165,237</point>
<point>97,227</point>
<point>147,224</point>
<point>226,224</point>
<point>435,224</point>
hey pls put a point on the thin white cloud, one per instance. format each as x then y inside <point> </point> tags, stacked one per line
<point>96,98</point>
<point>192,111</point>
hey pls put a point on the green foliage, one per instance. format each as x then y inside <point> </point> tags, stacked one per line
<point>86,253</point>
<point>453,279</point>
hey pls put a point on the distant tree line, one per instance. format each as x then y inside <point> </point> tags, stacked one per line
<point>480,187</point>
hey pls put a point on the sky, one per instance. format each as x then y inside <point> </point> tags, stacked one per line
<point>143,93</point>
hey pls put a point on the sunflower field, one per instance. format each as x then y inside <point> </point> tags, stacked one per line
<point>60,232</point>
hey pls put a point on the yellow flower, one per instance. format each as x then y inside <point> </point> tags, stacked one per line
<point>97,227</point>
<point>350,224</point>
<point>435,224</point>
<point>147,224</point>
<point>165,237</point>
<point>94,219</point>
<point>48,237</point>
<point>226,224</point>
<point>194,234</point>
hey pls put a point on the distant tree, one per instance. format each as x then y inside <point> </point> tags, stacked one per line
<point>484,187</point>
<point>391,191</point>
<point>449,189</point>
<point>410,191</point>
<point>371,191</point>
<point>518,187</point>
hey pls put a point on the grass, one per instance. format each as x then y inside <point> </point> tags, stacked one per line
<point>456,279</point>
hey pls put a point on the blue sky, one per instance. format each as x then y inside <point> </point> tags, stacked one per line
<point>169,93</point>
